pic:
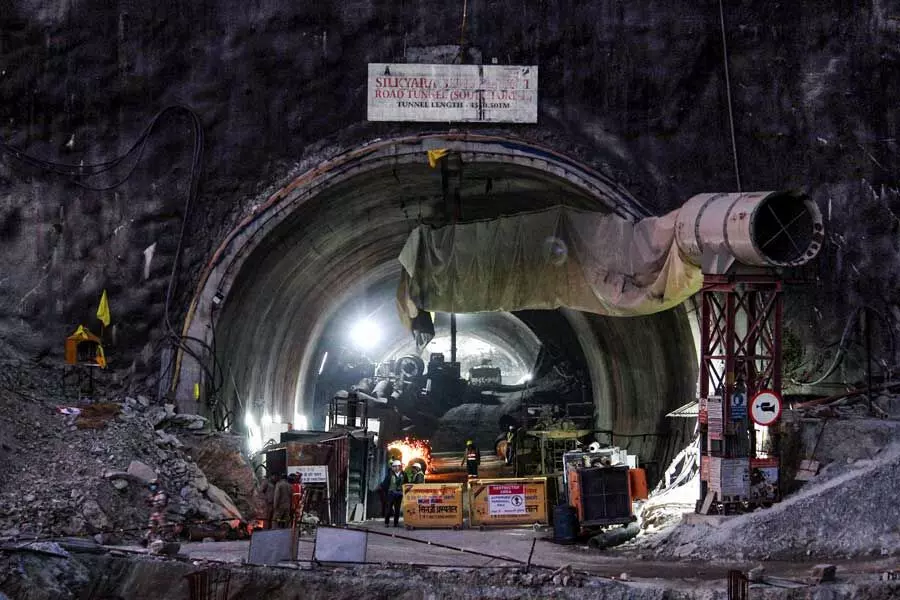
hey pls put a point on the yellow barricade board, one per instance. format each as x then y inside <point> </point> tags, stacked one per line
<point>433,505</point>
<point>520,501</point>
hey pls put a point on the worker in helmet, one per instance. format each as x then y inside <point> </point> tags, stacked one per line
<point>417,475</point>
<point>392,486</point>
<point>471,459</point>
<point>511,445</point>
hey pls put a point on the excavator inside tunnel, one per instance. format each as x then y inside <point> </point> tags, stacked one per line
<point>302,306</point>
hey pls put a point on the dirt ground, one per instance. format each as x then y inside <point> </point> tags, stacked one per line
<point>400,546</point>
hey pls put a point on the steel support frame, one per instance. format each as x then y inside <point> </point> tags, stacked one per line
<point>741,341</point>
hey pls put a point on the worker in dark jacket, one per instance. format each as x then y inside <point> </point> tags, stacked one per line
<point>471,459</point>
<point>417,475</point>
<point>281,513</point>
<point>392,486</point>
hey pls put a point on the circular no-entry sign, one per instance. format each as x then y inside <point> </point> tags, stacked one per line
<point>765,408</point>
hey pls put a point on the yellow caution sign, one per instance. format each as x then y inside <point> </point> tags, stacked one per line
<point>433,505</point>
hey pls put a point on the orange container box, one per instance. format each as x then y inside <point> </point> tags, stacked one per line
<point>637,481</point>
<point>521,501</point>
<point>433,505</point>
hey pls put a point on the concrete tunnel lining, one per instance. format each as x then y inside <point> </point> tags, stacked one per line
<point>338,228</point>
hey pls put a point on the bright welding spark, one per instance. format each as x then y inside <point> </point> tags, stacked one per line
<point>411,449</point>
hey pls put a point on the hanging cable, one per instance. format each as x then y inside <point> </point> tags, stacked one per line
<point>737,171</point>
<point>846,339</point>
<point>80,174</point>
<point>462,31</point>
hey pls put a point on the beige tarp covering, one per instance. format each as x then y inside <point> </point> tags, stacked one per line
<point>557,257</point>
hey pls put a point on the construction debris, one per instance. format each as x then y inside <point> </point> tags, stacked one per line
<point>68,478</point>
<point>840,511</point>
<point>821,574</point>
<point>756,574</point>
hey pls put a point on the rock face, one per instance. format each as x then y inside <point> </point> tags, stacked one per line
<point>220,458</point>
<point>222,499</point>
<point>635,90</point>
<point>142,471</point>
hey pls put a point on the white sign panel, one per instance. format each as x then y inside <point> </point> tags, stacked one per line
<point>452,93</point>
<point>715,421</point>
<point>340,545</point>
<point>506,499</point>
<point>729,476</point>
<point>765,408</point>
<point>311,474</point>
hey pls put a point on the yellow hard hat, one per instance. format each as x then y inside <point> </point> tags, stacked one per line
<point>469,442</point>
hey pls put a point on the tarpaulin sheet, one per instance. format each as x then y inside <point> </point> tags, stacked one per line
<point>558,257</point>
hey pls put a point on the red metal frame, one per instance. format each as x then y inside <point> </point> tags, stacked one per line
<point>740,334</point>
<point>740,338</point>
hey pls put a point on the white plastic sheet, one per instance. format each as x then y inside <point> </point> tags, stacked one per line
<point>558,257</point>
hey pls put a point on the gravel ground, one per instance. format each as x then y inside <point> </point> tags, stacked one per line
<point>849,510</point>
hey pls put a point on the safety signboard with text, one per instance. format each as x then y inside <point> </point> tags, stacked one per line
<point>428,505</point>
<point>506,500</point>
<point>714,418</point>
<point>452,93</point>
<point>738,410</point>
<point>310,473</point>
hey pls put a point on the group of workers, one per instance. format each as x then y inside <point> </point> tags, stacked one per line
<point>392,488</point>
<point>284,495</point>
<point>284,500</point>
<point>396,478</point>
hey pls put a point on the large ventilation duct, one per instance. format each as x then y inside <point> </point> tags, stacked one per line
<point>602,263</point>
<point>760,229</point>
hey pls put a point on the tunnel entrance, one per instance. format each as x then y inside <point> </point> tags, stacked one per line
<point>279,289</point>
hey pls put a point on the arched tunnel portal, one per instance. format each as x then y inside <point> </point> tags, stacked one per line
<point>321,253</point>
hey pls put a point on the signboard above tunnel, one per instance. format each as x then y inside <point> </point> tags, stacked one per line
<point>452,93</point>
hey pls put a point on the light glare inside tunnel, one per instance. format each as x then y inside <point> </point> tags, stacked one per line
<point>324,278</point>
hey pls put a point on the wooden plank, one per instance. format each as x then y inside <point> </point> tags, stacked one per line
<point>707,502</point>
<point>781,582</point>
<point>808,469</point>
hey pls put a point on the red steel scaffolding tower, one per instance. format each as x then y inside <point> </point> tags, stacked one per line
<point>740,336</point>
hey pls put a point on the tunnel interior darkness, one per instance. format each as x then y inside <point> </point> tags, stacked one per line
<point>332,260</point>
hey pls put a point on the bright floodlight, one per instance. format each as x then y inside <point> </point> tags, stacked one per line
<point>248,419</point>
<point>300,423</point>
<point>365,334</point>
<point>266,419</point>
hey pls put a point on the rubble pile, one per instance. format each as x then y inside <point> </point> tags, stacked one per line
<point>83,470</point>
<point>513,577</point>
<point>847,510</point>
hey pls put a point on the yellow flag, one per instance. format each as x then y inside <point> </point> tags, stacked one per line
<point>103,309</point>
<point>101,356</point>
<point>435,155</point>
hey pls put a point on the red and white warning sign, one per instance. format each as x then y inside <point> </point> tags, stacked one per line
<point>765,408</point>
<point>506,499</point>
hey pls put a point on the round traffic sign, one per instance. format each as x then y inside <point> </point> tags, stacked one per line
<point>765,408</point>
